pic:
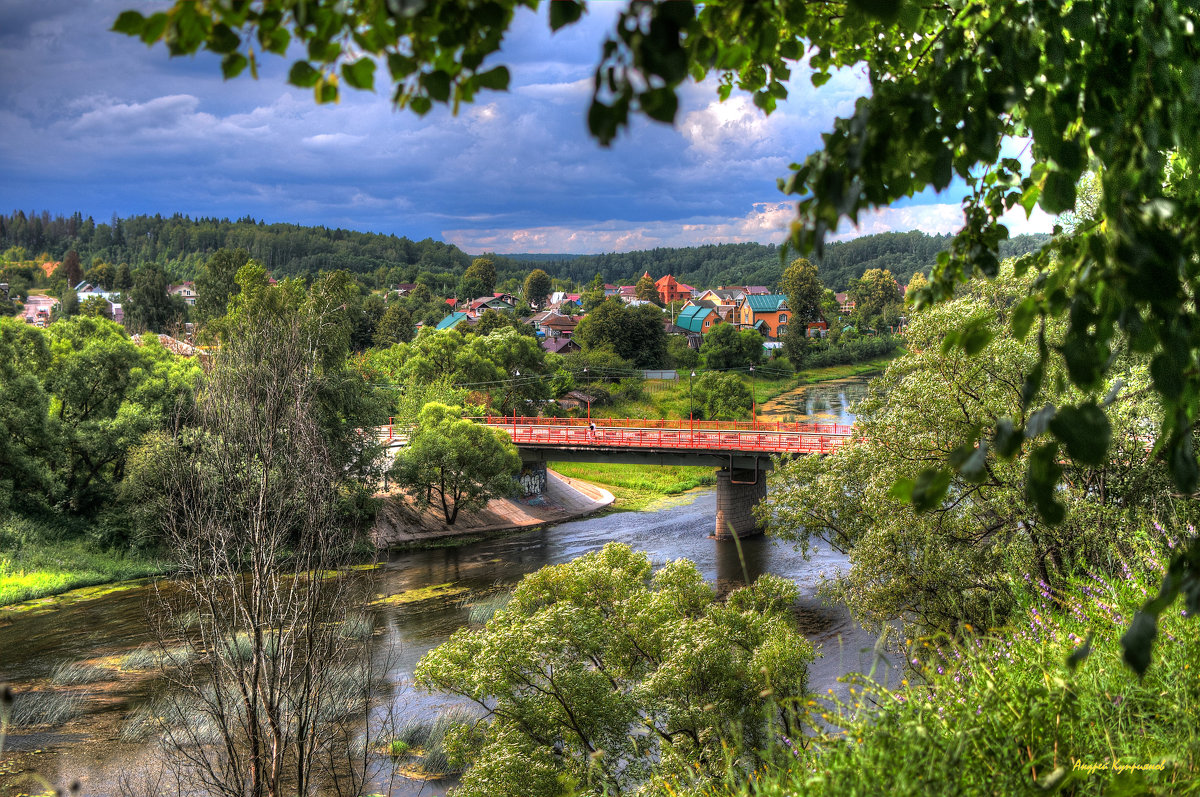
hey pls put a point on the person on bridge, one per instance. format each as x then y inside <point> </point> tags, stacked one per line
<point>592,431</point>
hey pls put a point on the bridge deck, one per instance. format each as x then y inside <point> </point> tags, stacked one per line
<point>663,435</point>
<point>669,435</point>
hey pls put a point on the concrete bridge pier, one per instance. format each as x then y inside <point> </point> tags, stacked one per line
<point>738,492</point>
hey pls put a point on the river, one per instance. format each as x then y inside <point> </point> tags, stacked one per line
<point>111,622</point>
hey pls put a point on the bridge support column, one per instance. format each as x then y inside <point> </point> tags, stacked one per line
<point>532,479</point>
<point>736,499</point>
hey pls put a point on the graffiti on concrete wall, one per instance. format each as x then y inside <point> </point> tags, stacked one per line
<point>533,479</point>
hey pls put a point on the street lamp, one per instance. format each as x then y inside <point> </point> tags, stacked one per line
<point>691,415</point>
<point>516,375</point>
<point>753,412</point>
<point>588,396</point>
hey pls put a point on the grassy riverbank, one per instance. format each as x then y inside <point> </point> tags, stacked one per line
<point>637,486</point>
<point>1041,705</point>
<point>662,399</point>
<point>37,560</point>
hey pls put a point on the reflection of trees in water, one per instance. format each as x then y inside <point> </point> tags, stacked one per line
<point>831,399</point>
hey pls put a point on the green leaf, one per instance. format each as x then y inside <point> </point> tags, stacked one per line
<point>223,40</point>
<point>660,104</point>
<point>420,105</point>
<point>233,64</point>
<point>326,91</point>
<point>496,79</point>
<point>564,12</point>
<point>975,338</point>
<point>1058,196</point>
<point>882,10</point>
<point>902,490</point>
<point>129,23</point>
<point>1029,199</point>
<point>1007,439</point>
<point>970,460</point>
<point>153,27</point>
<point>437,84</point>
<point>1080,654</point>
<point>1138,641</point>
<point>1086,432</point>
<point>1023,315</point>
<point>303,75</point>
<point>1039,421</point>
<point>1041,483</point>
<point>360,74</point>
<point>930,488</point>
<point>1167,375</point>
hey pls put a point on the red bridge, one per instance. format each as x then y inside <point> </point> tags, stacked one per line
<point>742,438</point>
<point>741,450</point>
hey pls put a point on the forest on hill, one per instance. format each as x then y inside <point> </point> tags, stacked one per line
<point>180,244</point>
<point>903,253</point>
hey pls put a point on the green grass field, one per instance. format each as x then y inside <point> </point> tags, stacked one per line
<point>637,486</point>
<point>670,399</point>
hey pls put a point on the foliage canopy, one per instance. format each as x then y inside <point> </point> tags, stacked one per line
<point>601,673</point>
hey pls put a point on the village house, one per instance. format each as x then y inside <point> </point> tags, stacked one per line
<point>670,290</point>
<point>765,313</point>
<point>476,307</point>
<point>723,300</point>
<point>552,324</point>
<point>561,346</point>
<point>845,303</point>
<point>186,290</point>
<point>697,319</point>
<point>451,321</point>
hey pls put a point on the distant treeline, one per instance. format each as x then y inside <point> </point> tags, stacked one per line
<point>902,253</point>
<point>180,244</point>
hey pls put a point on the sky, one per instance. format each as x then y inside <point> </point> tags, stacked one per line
<point>97,122</point>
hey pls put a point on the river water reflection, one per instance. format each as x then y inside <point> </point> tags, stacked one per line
<point>33,641</point>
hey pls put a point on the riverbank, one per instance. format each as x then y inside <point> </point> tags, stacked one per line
<point>37,562</point>
<point>635,487</point>
<point>672,399</point>
<point>400,525</point>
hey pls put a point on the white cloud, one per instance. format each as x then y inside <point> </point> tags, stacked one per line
<point>936,219</point>
<point>766,222</point>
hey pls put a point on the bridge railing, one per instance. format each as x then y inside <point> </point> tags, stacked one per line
<point>768,442</point>
<point>830,429</point>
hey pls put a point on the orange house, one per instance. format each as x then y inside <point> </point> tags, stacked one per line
<point>669,290</point>
<point>767,313</point>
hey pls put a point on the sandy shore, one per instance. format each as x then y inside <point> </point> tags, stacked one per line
<point>400,524</point>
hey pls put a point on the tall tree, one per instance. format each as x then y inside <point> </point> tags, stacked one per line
<point>70,270</point>
<point>479,279</point>
<point>874,293</point>
<point>605,675</point>
<point>726,347</point>
<point>455,464</point>
<point>634,333</point>
<point>803,287</point>
<point>646,290</point>
<point>216,282</point>
<point>267,681</point>
<point>988,533</point>
<point>537,287</point>
<point>396,326</point>
<point>149,306</point>
<point>123,280</point>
